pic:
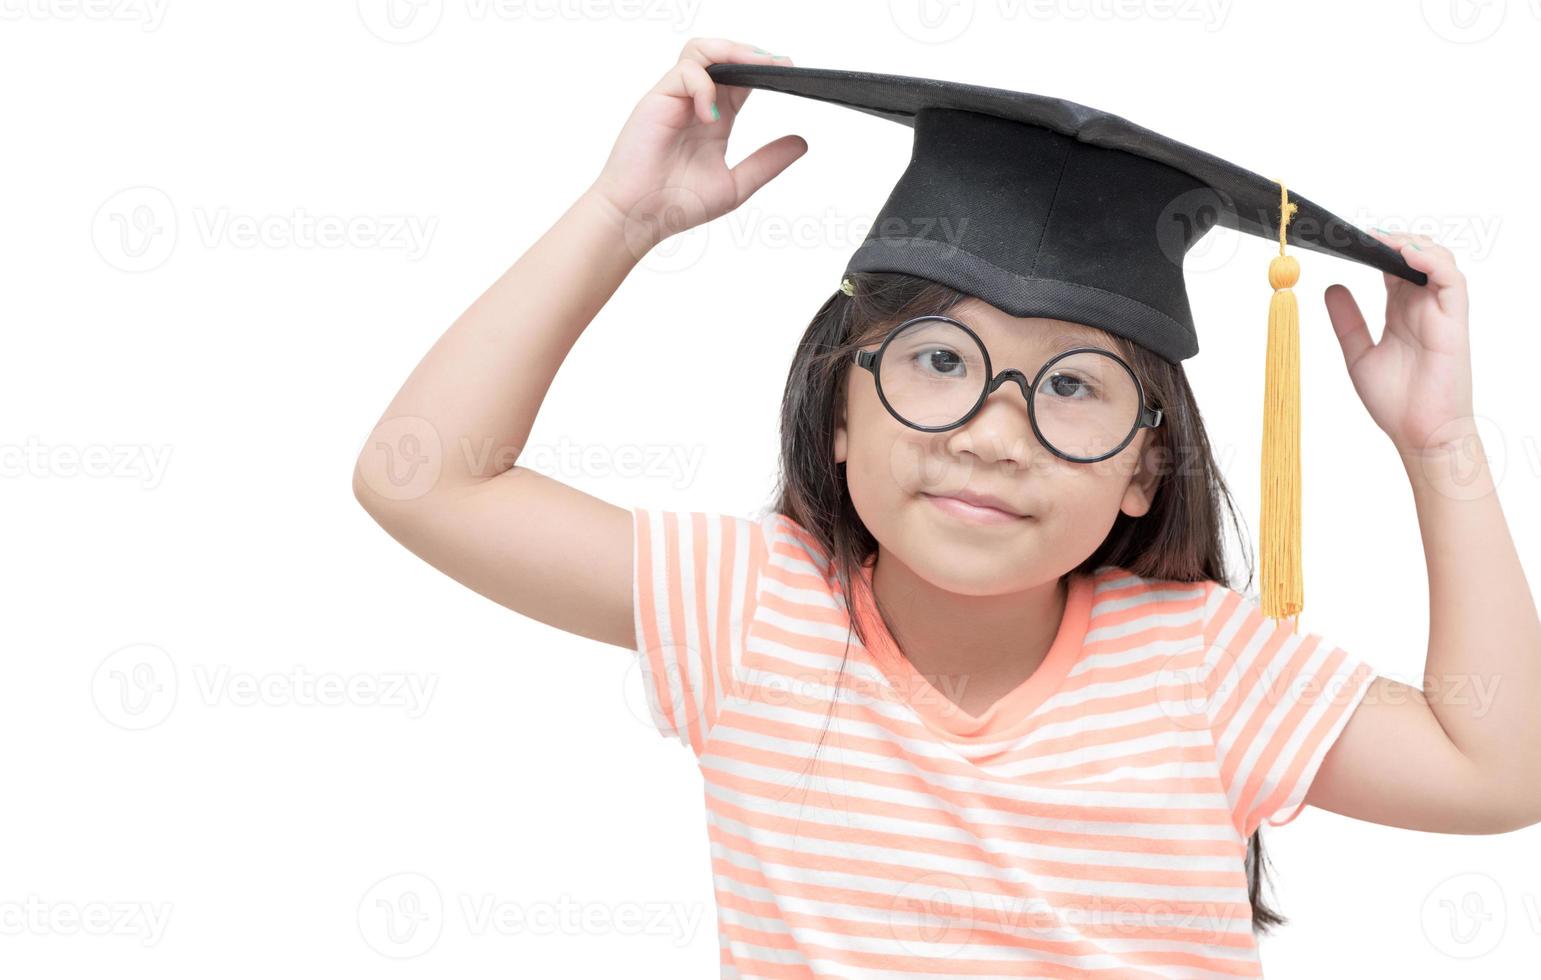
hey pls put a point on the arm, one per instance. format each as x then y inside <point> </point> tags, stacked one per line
<point>439,471</point>
<point>1460,755</point>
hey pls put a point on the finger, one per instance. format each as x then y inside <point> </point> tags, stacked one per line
<point>1348,323</point>
<point>1436,262</point>
<point>714,50</point>
<point>1430,258</point>
<point>689,78</point>
<point>737,95</point>
<point>757,169</point>
<point>697,86</point>
<point>1396,239</point>
<point>1447,281</point>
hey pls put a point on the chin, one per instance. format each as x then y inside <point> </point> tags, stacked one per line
<point>975,565</point>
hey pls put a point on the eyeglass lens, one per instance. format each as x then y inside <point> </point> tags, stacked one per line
<point>933,372</point>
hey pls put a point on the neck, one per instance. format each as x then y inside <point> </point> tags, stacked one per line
<point>988,641</point>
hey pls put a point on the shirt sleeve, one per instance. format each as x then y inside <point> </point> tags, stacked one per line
<point>695,587</point>
<point>1277,700</point>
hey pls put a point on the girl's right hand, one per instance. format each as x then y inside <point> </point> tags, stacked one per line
<point>667,171</point>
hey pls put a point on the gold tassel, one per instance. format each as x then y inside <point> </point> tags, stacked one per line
<point>1282,586</point>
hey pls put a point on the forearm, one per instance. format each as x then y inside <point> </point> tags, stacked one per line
<point>1483,672</point>
<point>472,399</point>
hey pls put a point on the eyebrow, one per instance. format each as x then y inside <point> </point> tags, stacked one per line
<point>1062,340</point>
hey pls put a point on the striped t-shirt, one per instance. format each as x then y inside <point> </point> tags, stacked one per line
<point>1092,822</point>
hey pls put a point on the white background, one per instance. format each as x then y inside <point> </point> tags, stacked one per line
<point>183,401</point>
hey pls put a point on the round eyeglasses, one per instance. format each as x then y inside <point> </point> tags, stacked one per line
<point>933,374</point>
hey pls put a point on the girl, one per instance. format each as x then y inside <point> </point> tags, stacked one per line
<point>962,704</point>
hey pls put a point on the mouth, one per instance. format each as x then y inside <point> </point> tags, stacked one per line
<point>974,510</point>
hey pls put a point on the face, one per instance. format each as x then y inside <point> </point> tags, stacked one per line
<point>901,479</point>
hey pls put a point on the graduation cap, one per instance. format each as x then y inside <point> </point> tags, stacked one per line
<point>1043,207</point>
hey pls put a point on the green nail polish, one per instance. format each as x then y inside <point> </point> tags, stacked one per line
<point>1418,247</point>
<point>761,51</point>
<point>715,114</point>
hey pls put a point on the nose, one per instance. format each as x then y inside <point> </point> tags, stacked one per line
<point>1000,432</point>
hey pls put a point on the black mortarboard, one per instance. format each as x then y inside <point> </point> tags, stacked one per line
<point>1046,208</point>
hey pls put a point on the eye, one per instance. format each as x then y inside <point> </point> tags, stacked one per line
<point>1070,387</point>
<point>941,362</point>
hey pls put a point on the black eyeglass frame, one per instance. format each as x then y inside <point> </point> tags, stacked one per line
<point>1148,417</point>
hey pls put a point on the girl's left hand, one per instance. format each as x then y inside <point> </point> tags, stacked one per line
<point>1416,382</point>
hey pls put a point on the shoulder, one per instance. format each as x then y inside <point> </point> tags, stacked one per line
<point>1210,595</point>
<point>783,530</point>
<point>1115,587</point>
<point>1129,611</point>
<point>795,558</point>
<point>1202,626</point>
<point>789,543</point>
<point>1233,616</point>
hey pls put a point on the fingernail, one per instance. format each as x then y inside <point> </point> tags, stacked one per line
<point>761,51</point>
<point>778,56</point>
<point>715,114</point>
<point>1418,247</point>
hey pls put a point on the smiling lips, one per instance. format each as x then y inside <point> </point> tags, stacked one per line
<point>978,507</point>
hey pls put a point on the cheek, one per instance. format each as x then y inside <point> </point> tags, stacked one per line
<point>888,460</point>
<point>1084,498</point>
<point>870,434</point>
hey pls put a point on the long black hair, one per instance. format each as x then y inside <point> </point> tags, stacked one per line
<point>1179,539</point>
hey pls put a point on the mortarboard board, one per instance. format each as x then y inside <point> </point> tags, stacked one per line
<point>1043,207</point>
